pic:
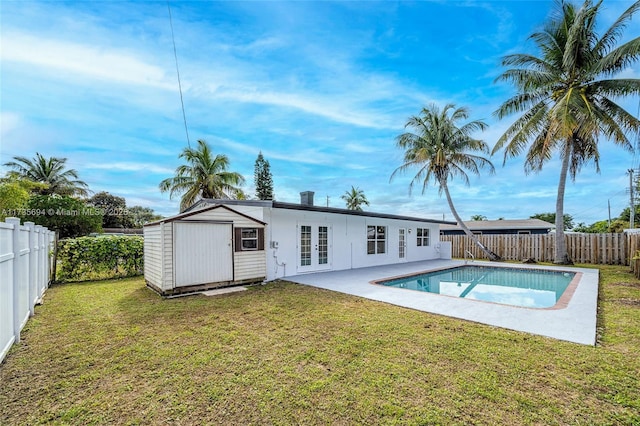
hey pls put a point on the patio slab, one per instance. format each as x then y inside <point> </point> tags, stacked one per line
<point>574,323</point>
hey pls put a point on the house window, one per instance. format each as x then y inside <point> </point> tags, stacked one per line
<point>422,237</point>
<point>248,239</point>
<point>376,239</point>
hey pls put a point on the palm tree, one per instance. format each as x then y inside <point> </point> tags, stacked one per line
<point>565,97</point>
<point>478,217</point>
<point>354,199</point>
<point>440,149</point>
<point>51,172</point>
<point>204,176</point>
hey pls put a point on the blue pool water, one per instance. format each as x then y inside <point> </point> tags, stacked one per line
<point>531,288</point>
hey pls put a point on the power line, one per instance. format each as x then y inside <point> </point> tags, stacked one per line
<point>175,55</point>
<point>596,209</point>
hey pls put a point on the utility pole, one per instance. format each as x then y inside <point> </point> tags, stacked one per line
<point>632,207</point>
<point>327,201</point>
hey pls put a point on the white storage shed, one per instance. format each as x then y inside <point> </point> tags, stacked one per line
<point>212,247</point>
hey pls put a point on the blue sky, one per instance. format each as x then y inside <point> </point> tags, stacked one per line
<point>321,88</point>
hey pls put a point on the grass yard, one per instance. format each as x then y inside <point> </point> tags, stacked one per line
<point>114,352</point>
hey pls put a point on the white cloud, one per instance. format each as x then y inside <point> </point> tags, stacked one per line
<point>302,156</point>
<point>330,108</point>
<point>9,121</point>
<point>133,167</point>
<point>95,62</point>
<point>358,148</point>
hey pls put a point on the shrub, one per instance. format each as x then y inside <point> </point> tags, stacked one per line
<point>90,258</point>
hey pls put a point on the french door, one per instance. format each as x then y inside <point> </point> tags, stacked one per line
<point>314,247</point>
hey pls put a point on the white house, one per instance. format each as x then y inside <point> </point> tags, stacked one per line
<point>218,243</point>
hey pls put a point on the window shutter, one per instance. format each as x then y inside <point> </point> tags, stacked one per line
<point>260,238</point>
<point>238,239</point>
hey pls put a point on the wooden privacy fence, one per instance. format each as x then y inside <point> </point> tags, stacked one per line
<point>609,249</point>
<point>25,265</point>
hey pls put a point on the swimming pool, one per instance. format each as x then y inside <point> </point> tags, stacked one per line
<point>529,288</point>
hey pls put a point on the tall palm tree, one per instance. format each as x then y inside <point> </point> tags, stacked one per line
<point>441,150</point>
<point>204,176</point>
<point>565,96</point>
<point>355,198</point>
<point>51,172</point>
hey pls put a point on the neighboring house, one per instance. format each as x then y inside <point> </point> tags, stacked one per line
<point>217,243</point>
<point>488,227</point>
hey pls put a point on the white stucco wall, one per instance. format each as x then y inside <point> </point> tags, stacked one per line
<point>347,241</point>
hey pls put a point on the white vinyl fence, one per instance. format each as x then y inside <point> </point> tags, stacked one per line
<point>25,265</point>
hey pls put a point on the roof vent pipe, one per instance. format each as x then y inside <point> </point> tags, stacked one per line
<point>306,198</point>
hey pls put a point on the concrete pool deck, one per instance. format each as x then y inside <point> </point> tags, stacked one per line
<point>574,323</point>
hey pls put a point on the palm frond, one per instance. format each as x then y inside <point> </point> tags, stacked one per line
<point>611,36</point>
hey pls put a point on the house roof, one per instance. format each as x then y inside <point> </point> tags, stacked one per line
<point>485,225</point>
<point>292,206</point>
<point>188,213</point>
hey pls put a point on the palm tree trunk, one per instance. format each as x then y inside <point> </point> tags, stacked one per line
<point>491,255</point>
<point>562,257</point>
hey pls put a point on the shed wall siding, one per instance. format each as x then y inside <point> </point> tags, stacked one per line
<point>250,265</point>
<point>256,212</point>
<point>153,255</point>
<point>167,256</point>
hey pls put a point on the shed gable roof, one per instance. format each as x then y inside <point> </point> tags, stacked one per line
<point>188,213</point>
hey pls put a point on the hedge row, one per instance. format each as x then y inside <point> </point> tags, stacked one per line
<point>92,258</point>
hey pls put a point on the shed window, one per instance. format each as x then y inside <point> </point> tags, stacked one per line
<point>248,239</point>
<point>376,239</point>
<point>422,237</point>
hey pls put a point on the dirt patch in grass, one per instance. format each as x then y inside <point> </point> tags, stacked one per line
<point>626,284</point>
<point>629,302</point>
<point>115,353</point>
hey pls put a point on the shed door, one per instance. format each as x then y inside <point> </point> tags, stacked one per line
<point>202,253</point>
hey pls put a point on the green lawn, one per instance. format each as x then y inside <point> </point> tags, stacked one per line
<point>114,352</point>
